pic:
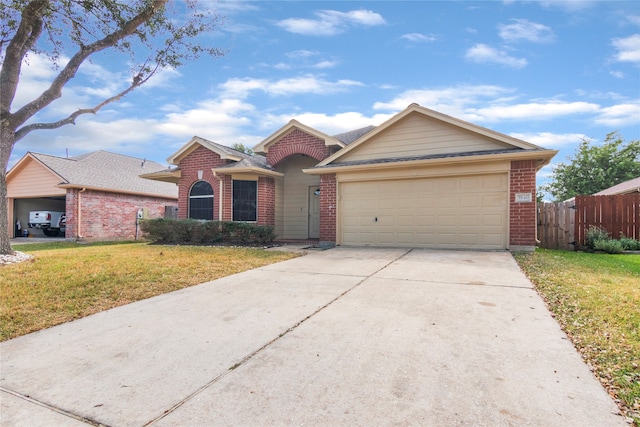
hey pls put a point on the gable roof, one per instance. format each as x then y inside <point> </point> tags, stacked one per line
<point>417,109</point>
<point>102,170</point>
<point>630,186</point>
<point>348,137</point>
<point>263,147</point>
<point>222,150</point>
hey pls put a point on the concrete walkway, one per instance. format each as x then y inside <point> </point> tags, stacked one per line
<point>339,337</point>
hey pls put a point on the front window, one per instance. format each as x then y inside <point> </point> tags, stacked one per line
<point>245,200</point>
<point>201,201</point>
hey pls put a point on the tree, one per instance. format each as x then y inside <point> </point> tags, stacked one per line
<point>155,34</point>
<point>595,167</point>
<point>238,146</point>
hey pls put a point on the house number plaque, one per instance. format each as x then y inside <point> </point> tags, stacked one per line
<point>523,198</point>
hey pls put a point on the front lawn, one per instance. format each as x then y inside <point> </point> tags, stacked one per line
<point>68,281</point>
<point>596,300</point>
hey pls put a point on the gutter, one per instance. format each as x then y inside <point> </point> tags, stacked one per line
<point>79,215</point>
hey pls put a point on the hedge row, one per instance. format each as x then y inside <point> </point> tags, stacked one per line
<point>195,232</point>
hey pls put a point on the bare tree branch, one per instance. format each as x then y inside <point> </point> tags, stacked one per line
<point>69,71</point>
<point>138,80</point>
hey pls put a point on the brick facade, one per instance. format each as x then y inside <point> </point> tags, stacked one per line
<point>200,159</point>
<point>328,215</point>
<point>103,215</point>
<point>522,216</point>
<point>297,142</point>
<point>266,201</point>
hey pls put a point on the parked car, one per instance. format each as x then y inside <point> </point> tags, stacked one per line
<point>51,223</point>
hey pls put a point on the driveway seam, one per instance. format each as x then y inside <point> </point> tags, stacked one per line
<point>52,408</point>
<point>268,344</point>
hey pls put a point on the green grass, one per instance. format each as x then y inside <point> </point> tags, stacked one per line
<point>596,300</point>
<point>68,281</point>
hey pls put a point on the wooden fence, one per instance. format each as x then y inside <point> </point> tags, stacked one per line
<point>556,225</point>
<point>563,225</point>
<point>619,215</point>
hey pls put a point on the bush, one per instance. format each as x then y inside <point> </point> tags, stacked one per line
<point>629,244</point>
<point>595,234</point>
<point>609,246</point>
<point>196,232</point>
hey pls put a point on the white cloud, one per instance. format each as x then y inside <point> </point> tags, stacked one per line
<point>481,53</point>
<point>241,88</point>
<point>533,110</point>
<point>449,100</point>
<point>418,37</point>
<point>550,140</point>
<point>329,124</point>
<point>628,49</point>
<point>617,74</point>
<point>619,115</point>
<point>303,53</point>
<point>331,22</point>
<point>524,30</point>
<point>325,64</point>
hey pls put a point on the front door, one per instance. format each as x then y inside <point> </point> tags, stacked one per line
<point>314,212</point>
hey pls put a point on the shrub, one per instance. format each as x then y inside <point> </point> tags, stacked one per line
<point>629,244</point>
<point>595,234</point>
<point>197,232</point>
<point>609,246</point>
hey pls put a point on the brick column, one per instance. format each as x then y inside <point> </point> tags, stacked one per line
<point>522,215</point>
<point>328,216</point>
<point>266,201</point>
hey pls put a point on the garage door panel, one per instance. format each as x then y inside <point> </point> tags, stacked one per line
<point>465,212</point>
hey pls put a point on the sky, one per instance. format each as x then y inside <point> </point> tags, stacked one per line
<point>547,72</point>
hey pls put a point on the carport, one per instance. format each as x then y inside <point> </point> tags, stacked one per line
<point>32,187</point>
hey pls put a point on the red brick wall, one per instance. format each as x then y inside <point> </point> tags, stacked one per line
<point>106,216</point>
<point>201,159</point>
<point>266,201</point>
<point>328,200</point>
<point>297,142</point>
<point>522,216</point>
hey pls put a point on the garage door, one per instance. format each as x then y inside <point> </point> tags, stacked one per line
<point>452,212</point>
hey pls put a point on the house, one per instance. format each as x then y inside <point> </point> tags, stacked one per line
<point>100,192</point>
<point>420,179</point>
<point>627,187</point>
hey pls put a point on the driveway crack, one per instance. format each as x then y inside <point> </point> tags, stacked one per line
<point>268,344</point>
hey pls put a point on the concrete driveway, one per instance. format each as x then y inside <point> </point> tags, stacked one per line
<point>340,337</point>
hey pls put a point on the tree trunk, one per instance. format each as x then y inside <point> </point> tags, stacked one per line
<point>7,138</point>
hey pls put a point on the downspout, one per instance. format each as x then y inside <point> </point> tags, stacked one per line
<point>79,216</point>
<point>219,195</point>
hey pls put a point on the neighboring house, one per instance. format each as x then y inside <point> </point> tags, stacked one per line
<point>100,192</point>
<point>421,179</point>
<point>627,187</point>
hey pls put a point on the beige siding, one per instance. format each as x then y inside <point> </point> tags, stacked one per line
<point>279,207</point>
<point>447,212</point>
<point>34,180</point>
<point>417,135</point>
<point>295,199</point>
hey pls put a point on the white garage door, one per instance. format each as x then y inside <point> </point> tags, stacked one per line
<point>452,212</point>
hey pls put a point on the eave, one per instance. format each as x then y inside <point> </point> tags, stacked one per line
<point>250,170</point>
<point>542,158</point>
<point>167,176</point>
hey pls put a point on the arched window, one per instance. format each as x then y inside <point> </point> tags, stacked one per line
<point>201,201</point>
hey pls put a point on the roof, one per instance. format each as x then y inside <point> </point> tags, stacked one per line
<point>106,171</point>
<point>541,156</point>
<point>222,150</point>
<point>630,186</point>
<point>415,108</point>
<point>263,147</point>
<point>348,137</point>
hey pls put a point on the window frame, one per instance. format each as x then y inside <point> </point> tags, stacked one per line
<point>239,208</point>
<point>208,209</point>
